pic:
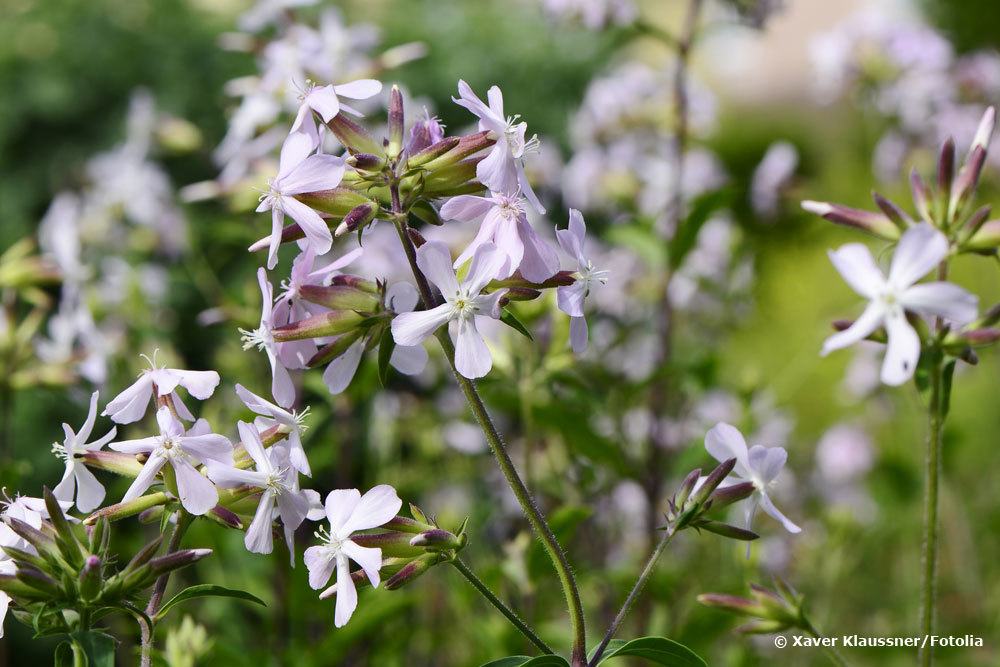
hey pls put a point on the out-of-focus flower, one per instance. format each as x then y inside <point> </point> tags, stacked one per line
<point>464,303</point>
<point>506,226</point>
<point>571,298</point>
<point>348,512</point>
<point>78,480</point>
<point>300,172</point>
<point>263,339</point>
<point>277,478</point>
<point>266,12</point>
<point>594,14</point>
<point>503,169</point>
<point>325,101</point>
<point>920,250</point>
<point>183,451</point>
<point>290,422</point>
<point>130,405</point>
<point>771,176</point>
<point>758,464</point>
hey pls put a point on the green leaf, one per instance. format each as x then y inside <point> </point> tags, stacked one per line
<point>511,320</point>
<point>206,590</point>
<point>612,646</point>
<point>658,650</point>
<point>99,647</point>
<point>525,661</point>
<point>686,235</point>
<point>386,345</point>
<point>64,655</point>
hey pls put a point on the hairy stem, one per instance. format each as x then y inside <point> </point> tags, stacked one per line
<point>932,472</point>
<point>633,595</point>
<point>830,652</point>
<point>509,613</point>
<point>160,587</point>
<point>502,456</point>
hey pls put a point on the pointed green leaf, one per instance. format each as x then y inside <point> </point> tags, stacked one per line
<point>511,320</point>
<point>659,651</point>
<point>206,590</point>
<point>525,661</point>
<point>98,647</point>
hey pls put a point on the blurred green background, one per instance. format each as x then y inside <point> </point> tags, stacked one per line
<point>67,69</point>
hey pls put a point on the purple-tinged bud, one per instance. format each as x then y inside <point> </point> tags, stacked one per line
<point>989,318</point>
<point>727,495</point>
<point>423,134</point>
<point>726,530</point>
<point>145,554</point>
<point>355,138</point>
<point>116,462</point>
<point>98,536</point>
<point>38,580</point>
<point>334,350</point>
<point>921,196</point>
<point>520,294</point>
<point>986,238</point>
<point>893,212</point>
<point>872,223</point>
<point>731,603</point>
<point>451,180</point>
<point>981,337</point>
<point>438,539</point>
<point>91,578</point>
<point>985,130</point>
<point>466,146</point>
<point>976,220</point>
<point>559,279</point>
<point>22,557</point>
<point>397,122</point>
<point>712,481</point>
<point>407,525</point>
<point>11,585</point>
<point>965,185</point>
<point>412,570</point>
<point>225,517</point>
<point>129,508</point>
<point>366,162</point>
<point>430,151</point>
<point>42,542</point>
<point>946,171</point>
<point>66,539</point>
<point>415,236</point>
<point>176,560</point>
<point>340,297</point>
<point>319,326</point>
<point>356,282</point>
<point>337,202</point>
<point>357,218</point>
<point>686,487</point>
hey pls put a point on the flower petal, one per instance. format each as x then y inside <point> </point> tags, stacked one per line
<point>466,208</point>
<point>434,260</point>
<point>369,558</point>
<point>361,89</point>
<point>769,508</point>
<point>486,264</point>
<point>870,320</point>
<point>341,371</point>
<point>197,493</point>
<point>902,352</point>
<point>89,491</point>
<point>413,328</point>
<point>145,478</point>
<point>472,355</point>
<point>409,359</point>
<point>340,504</point>
<point>943,299</point>
<point>919,250</point>
<point>259,538</point>
<point>320,562</point>
<point>578,334</point>
<point>374,509</point>
<point>767,462</point>
<point>855,264</point>
<point>314,227</point>
<point>130,405</point>
<point>250,439</point>
<point>725,442</point>
<point>347,594</point>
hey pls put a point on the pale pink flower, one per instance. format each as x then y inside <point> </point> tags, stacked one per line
<point>130,405</point>
<point>570,298</point>
<point>300,172</point>
<point>503,169</point>
<point>276,476</point>
<point>325,101</point>
<point>289,422</point>
<point>184,451</point>
<point>263,339</point>
<point>348,512</point>
<point>78,480</point>
<point>919,251</point>
<point>463,304</point>
<point>505,225</point>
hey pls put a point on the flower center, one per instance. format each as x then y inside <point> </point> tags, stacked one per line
<point>331,542</point>
<point>61,452</point>
<point>259,338</point>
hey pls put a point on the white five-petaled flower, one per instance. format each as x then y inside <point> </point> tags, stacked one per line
<point>78,480</point>
<point>407,359</point>
<point>920,249</point>
<point>290,422</point>
<point>506,226</point>
<point>463,303</point>
<point>348,512</point>
<point>300,172</point>
<point>275,475</point>
<point>325,101</point>
<point>503,169</point>
<point>571,297</point>
<point>130,405</point>
<point>759,465</point>
<point>183,451</point>
<point>263,339</point>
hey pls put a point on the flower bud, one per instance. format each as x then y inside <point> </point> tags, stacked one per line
<point>407,525</point>
<point>176,560</point>
<point>337,202</point>
<point>397,121</point>
<point>986,238</point>
<point>893,212</point>
<point>712,481</point>
<point>38,580</point>
<point>355,281</point>
<point>466,146</point>
<point>340,297</point>
<point>360,581</point>
<point>358,217</point>
<point>921,196</point>
<point>43,543</point>
<point>116,462</point>
<point>225,517</point>
<point>412,570</point>
<point>129,508</point>
<point>355,138</point>
<point>99,536</point>
<point>66,539</point>
<point>727,495</point>
<point>415,236</point>
<point>366,162</point>
<point>319,326</point>
<point>452,180</point>
<point>333,350</point>
<point>519,294</point>
<point>430,151</point>
<point>90,578</point>
<point>559,279</point>
<point>145,554</point>
<point>866,221</point>
<point>438,539</point>
<point>11,585</point>
<point>392,544</point>
<point>686,487</point>
<point>945,173</point>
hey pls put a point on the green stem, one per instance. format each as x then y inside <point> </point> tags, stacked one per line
<point>502,456</point>
<point>509,613</point>
<point>633,595</point>
<point>160,587</point>
<point>830,652</point>
<point>932,472</point>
